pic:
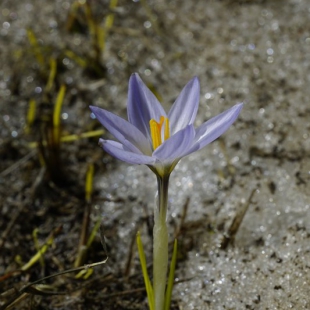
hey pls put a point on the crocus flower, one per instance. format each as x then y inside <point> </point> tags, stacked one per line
<point>155,138</point>
<point>159,140</point>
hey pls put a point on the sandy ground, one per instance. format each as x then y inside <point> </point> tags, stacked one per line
<point>256,52</point>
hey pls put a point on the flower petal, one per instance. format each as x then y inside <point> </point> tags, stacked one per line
<point>142,105</point>
<point>216,126</point>
<point>176,145</point>
<point>184,110</point>
<point>193,148</point>
<point>117,150</point>
<point>123,131</point>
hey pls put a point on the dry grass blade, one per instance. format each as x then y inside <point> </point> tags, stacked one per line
<point>234,227</point>
<point>35,290</point>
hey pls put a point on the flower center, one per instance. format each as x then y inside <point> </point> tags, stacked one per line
<point>159,131</point>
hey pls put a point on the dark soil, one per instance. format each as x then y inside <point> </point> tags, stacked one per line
<point>42,180</point>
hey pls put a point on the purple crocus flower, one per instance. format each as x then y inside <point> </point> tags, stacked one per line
<point>160,140</point>
<point>155,138</point>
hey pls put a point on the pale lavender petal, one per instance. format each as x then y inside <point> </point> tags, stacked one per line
<point>184,110</point>
<point>117,150</point>
<point>216,126</point>
<point>142,105</point>
<point>123,131</point>
<point>176,145</point>
<point>193,148</point>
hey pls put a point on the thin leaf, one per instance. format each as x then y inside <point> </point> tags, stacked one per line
<point>57,111</point>
<point>89,182</point>
<point>147,282</point>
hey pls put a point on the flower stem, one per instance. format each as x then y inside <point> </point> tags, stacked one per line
<point>160,250</point>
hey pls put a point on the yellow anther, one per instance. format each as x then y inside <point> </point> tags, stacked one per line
<point>156,131</point>
<point>167,130</point>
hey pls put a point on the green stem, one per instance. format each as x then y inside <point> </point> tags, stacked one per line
<point>160,250</point>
